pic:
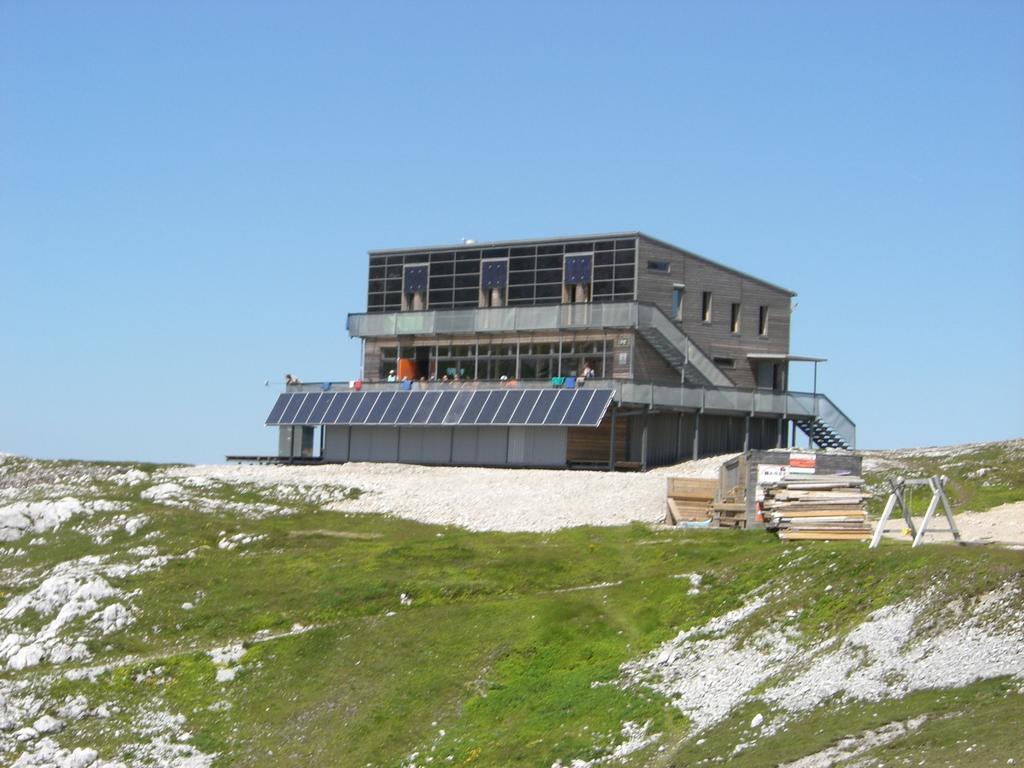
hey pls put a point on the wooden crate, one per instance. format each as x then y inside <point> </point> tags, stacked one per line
<point>689,499</point>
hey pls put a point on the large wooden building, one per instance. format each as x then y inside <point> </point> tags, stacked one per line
<point>599,350</point>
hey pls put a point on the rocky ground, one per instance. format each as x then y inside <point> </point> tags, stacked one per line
<point>86,549</point>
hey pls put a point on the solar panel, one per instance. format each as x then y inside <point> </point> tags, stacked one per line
<point>444,402</point>
<point>423,412</point>
<point>490,407</point>
<point>540,410</point>
<point>302,416</point>
<point>596,408</point>
<point>474,407</point>
<point>331,417</point>
<point>316,416</point>
<point>363,409</point>
<point>461,402</point>
<point>353,402</point>
<point>507,407</point>
<point>379,407</point>
<point>278,410</point>
<point>412,402</point>
<point>573,414</point>
<point>292,407</point>
<point>559,407</point>
<point>526,403</point>
<point>394,408</point>
<point>550,407</point>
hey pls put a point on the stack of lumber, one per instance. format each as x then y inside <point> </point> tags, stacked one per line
<point>731,509</point>
<point>817,507</point>
<point>689,500</point>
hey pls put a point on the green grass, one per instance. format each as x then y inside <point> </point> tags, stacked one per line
<point>493,664</point>
<point>979,479</point>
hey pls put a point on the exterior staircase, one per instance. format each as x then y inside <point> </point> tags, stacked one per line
<point>674,357</point>
<point>822,433</point>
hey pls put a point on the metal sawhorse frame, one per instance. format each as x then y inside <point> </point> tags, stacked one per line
<point>937,484</point>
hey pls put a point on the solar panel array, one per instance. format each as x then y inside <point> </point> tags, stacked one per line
<point>475,407</point>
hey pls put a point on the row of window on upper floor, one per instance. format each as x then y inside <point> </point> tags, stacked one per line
<point>707,300</point>
<point>556,250</point>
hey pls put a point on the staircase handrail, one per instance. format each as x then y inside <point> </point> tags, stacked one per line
<point>651,315</point>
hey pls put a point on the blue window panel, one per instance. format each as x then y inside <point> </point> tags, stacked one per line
<point>490,407</point>
<point>526,404</point>
<point>361,412</point>
<point>544,402</point>
<point>415,279</point>
<point>444,402</point>
<point>561,404</point>
<point>331,417</point>
<point>302,417</point>
<point>596,408</point>
<point>278,410</point>
<point>354,399</point>
<point>412,402</point>
<point>423,412</point>
<point>458,408</point>
<point>473,409</point>
<point>494,274</point>
<point>507,407</point>
<point>316,416</point>
<point>379,407</point>
<point>580,401</point>
<point>394,407</point>
<point>578,269</point>
<point>292,408</point>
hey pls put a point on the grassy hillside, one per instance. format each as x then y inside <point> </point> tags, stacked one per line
<point>981,476</point>
<point>354,640</point>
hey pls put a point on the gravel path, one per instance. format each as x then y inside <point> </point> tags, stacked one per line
<point>479,498</point>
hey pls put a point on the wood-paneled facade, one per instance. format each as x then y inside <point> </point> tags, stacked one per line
<point>700,308</point>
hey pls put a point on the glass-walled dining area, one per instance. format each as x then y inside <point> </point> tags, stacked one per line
<point>492,360</point>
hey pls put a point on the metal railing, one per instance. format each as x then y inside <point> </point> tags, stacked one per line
<point>732,400</point>
<point>548,317</point>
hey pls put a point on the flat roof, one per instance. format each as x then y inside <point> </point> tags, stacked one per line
<point>481,244</point>
<point>786,357</point>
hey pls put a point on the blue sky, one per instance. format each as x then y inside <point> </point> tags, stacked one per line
<point>188,191</point>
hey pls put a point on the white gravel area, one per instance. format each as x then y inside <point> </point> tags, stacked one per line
<point>478,498</point>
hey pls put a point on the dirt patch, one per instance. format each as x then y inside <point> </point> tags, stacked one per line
<point>337,534</point>
<point>1000,525</point>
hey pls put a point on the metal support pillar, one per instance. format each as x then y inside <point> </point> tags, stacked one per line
<point>643,441</point>
<point>746,434</point>
<point>779,432</point>
<point>679,437</point>
<point>696,434</point>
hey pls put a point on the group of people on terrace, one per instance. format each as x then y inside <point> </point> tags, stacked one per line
<point>456,380</point>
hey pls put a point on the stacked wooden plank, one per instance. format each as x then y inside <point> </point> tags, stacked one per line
<point>731,509</point>
<point>689,500</point>
<point>817,507</point>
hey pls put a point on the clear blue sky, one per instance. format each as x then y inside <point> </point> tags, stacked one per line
<point>188,191</point>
